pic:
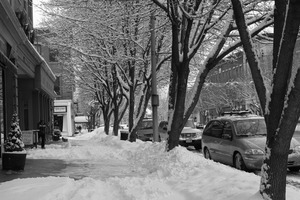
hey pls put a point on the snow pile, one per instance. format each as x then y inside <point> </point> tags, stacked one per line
<point>120,170</point>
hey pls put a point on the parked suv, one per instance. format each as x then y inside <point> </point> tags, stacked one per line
<point>144,133</point>
<point>238,139</point>
<point>190,135</point>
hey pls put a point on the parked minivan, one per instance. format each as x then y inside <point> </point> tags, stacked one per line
<point>239,140</point>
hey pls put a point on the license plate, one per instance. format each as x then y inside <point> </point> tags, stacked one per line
<point>189,140</point>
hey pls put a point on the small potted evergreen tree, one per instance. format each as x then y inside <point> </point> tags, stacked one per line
<point>14,155</point>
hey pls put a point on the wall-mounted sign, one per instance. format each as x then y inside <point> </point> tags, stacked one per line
<point>60,109</point>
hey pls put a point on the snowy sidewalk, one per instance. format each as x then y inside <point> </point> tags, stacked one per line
<point>34,168</point>
<point>94,166</point>
<point>44,163</point>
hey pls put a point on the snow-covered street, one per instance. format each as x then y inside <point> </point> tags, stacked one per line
<point>105,167</point>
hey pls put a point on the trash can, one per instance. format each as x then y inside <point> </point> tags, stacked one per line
<point>56,135</point>
<point>124,136</point>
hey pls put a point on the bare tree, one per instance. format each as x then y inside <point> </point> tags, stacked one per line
<point>110,45</point>
<point>281,104</point>
<point>199,25</point>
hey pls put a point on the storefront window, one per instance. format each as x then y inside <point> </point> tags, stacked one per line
<point>1,110</point>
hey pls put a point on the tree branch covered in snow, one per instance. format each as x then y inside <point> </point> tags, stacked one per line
<point>281,105</point>
<point>113,35</point>
<point>202,31</point>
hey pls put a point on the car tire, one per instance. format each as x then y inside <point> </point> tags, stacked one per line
<point>294,169</point>
<point>239,162</point>
<point>206,154</point>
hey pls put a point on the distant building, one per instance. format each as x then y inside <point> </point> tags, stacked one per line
<point>64,109</point>
<point>64,87</point>
<point>235,70</point>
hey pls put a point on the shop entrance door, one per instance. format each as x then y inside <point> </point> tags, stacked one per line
<point>58,122</point>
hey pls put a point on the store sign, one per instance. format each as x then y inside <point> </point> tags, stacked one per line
<point>27,137</point>
<point>60,109</point>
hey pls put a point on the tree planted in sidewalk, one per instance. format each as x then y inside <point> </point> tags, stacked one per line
<point>280,101</point>
<point>203,33</point>
<point>109,43</point>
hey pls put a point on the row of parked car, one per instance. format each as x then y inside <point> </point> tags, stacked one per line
<point>236,138</point>
<point>190,135</point>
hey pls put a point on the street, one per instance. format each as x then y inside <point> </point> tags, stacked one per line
<point>293,178</point>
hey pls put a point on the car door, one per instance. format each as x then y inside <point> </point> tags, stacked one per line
<point>225,144</point>
<point>211,136</point>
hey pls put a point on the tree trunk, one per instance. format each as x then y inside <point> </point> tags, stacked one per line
<point>178,122</point>
<point>173,134</point>
<point>132,135</point>
<point>273,173</point>
<point>123,110</point>
<point>106,125</point>
<point>286,28</point>
<point>93,116</point>
<point>282,112</point>
<point>172,140</point>
<point>116,122</point>
<point>106,118</point>
<point>115,98</point>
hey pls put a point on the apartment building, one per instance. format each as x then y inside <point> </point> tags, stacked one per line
<point>235,71</point>
<point>64,86</point>
<point>26,80</point>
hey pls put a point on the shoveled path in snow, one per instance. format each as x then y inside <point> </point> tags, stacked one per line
<point>82,162</point>
<point>97,168</point>
<point>34,168</point>
<point>75,168</point>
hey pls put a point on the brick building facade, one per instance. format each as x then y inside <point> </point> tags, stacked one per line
<point>235,71</point>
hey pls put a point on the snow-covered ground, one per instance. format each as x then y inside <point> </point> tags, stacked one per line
<point>105,167</point>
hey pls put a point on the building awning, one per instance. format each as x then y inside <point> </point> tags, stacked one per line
<point>81,119</point>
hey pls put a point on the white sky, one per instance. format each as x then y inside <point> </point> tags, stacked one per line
<point>120,170</point>
<point>37,14</point>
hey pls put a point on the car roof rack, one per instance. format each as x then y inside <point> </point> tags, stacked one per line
<point>236,112</point>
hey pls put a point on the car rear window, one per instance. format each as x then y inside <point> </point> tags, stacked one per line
<point>250,127</point>
<point>190,123</point>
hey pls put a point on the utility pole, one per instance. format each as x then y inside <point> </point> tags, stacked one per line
<point>154,99</point>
